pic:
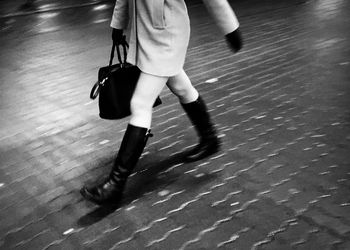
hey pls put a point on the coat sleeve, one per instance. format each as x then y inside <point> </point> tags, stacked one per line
<point>223,15</point>
<point>120,16</point>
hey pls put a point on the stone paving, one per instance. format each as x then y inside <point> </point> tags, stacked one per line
<point>281,106</point>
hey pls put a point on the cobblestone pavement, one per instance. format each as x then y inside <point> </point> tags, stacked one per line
<point>281,106</point>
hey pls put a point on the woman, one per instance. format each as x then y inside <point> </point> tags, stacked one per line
<point>158,32</point>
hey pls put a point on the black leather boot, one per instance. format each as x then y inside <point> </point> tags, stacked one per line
<point>208,141</point>
<point>131,148</point>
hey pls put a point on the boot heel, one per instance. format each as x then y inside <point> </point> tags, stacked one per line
<point>203,150</point>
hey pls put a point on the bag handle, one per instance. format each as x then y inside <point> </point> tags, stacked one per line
<point>122,61</point>
<point>116,47</point>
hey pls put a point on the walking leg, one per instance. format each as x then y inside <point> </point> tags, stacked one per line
<point>196,110</point>
<point>133,143</point>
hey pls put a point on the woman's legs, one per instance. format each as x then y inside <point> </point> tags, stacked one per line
<point>197,111</point>
<point>147,90</point>
<point>182,87</point>
<point>133,143</point>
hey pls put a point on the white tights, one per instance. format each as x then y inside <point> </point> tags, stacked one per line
<point>147,90</point>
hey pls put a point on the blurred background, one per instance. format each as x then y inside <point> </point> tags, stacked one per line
<point>281,106</point>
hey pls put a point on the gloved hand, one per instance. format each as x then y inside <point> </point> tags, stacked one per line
<point>234,39</point>
<point>117,36</point>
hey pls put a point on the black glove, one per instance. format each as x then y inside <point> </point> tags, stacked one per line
<point>117,36</point>
<point>234,39</point>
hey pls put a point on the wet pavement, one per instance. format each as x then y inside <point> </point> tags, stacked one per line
<point>281,106</point>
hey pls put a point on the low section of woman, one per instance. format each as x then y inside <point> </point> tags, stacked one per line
<point>158,34</point>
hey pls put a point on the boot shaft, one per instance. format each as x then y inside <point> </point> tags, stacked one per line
<point>199,116</point>
<point>131,148</point>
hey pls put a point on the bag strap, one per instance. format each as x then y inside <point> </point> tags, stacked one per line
<point>116,47</point>
<point>122,61</point>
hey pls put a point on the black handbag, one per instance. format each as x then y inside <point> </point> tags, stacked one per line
<point>115,86</point>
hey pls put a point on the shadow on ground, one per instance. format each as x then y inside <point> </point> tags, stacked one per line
<point>147,180</point>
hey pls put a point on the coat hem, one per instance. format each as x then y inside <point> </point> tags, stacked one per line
<point>166,74</point>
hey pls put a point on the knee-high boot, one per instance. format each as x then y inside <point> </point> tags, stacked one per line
<point>131,148</point>
<point>208,140</point>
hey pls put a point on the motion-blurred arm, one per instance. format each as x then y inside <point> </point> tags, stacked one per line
<point>120,16</point>
<point>120,19</point>
<point>226,20</point>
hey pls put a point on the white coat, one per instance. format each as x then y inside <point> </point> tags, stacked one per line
<point>159,30</point>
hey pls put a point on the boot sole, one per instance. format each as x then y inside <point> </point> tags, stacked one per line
<point>212,150</point>
<point>89,197</point>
